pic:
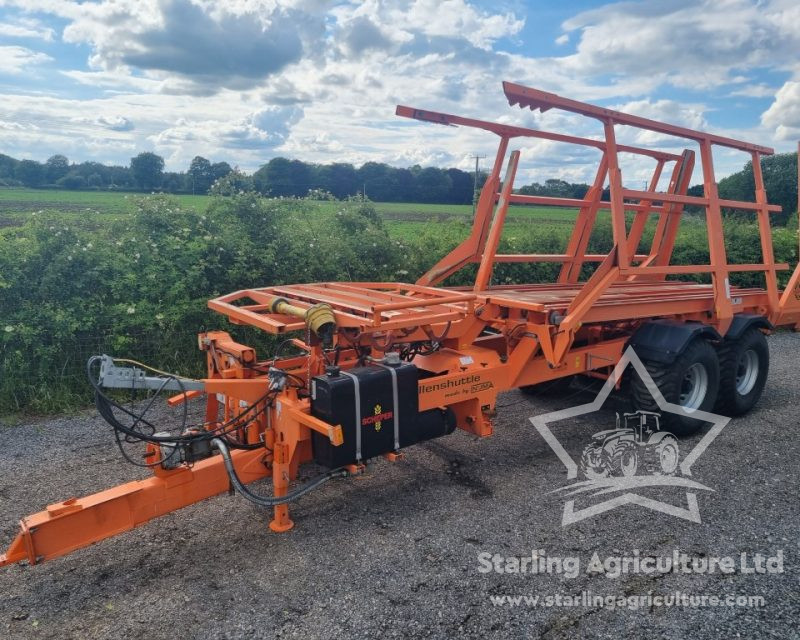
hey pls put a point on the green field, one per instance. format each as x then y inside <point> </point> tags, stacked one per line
<point>407,220</point>
<point>403,219</point>
<point>17,205</point>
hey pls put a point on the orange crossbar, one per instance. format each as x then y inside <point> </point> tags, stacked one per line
<point>671,197</point>
<point>509,131</point>
<point>619,264</point>
<point>552,257</point>
<point>574,203</point>
<point>523,96</point>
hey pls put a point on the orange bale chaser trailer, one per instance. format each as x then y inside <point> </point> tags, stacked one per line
<point>387,365</point>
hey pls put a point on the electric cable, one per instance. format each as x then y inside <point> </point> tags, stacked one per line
<point>149,368</point>
<point>105,404</point>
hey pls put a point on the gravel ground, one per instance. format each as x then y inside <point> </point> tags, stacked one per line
<point>394,553</point>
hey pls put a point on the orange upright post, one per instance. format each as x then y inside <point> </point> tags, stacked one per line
<point>584,224</point>
<point>716,243</point>
<point>496,230</point>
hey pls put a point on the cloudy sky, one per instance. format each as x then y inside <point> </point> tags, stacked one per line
<point>246,80</point>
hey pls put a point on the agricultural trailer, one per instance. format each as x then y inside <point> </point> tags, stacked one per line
<point>385,365</point>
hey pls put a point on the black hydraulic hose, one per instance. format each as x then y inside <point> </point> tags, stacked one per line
<point>247,446</point>
<point>104,404</point>
<point>271,501</point>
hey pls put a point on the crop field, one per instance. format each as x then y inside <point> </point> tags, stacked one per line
<point>407,220</point>
<point>402,219</point>
<point>17,205</point>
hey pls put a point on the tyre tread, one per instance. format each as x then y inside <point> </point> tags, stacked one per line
<point>668,378</point>
<point>729,403</point>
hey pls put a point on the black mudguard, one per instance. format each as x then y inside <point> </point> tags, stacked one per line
<point>664,340</point>
<point>743,321</point>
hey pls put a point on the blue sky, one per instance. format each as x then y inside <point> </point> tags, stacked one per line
<point>246,80</point>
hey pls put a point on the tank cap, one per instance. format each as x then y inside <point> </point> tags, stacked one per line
<point>332,370</point>
<point>391,358</point>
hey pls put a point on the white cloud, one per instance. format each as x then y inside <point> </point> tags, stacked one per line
<point>755,91</point>
<point>784,113</point>
<point>450,18</point>
<point>113,80</point>
<point>255,135</point>
<point>16,126</point>
<point>201,42</point>
<point>114,125</point>
<point>245,80</point>
<point>112,122</point>
<point>691,116</point>
<point>320,145</point>
<point>691,44</point>
<point>409,22</point>
<point>15,60</point>
<point>26,28</point>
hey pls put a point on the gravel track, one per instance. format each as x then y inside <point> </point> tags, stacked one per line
<point>393,553</point>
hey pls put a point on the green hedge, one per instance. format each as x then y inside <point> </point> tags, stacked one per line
<point>139,286</point>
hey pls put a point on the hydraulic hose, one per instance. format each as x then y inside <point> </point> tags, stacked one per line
<point>271,501</point>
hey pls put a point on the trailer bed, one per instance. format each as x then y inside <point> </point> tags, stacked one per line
<point>391,306</point>
<point>622,300</point>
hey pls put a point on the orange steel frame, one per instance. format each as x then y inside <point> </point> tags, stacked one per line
<point>490,338</point>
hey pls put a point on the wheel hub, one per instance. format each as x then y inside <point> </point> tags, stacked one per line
<point>746,372</point>
<point>694,387</point>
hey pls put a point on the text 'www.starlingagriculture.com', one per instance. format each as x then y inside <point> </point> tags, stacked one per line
<point>587,599</point>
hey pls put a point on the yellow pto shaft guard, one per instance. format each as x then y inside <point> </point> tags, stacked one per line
<point>318,318</point>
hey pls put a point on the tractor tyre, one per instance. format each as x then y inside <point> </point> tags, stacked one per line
<point>691,380</point>
<point>593,463</point>
<point>744,366</point>
<point>661,459</point>
<point>625,462</point>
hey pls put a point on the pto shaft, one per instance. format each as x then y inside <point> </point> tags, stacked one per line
<point>319,318</point>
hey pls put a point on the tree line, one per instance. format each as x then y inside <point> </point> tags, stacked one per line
<point>780,181</point>
<point>279,177</point>
<point>145,173</point>
<point>282,177</point>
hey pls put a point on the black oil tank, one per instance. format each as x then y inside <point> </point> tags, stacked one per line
<point>377,407</point>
